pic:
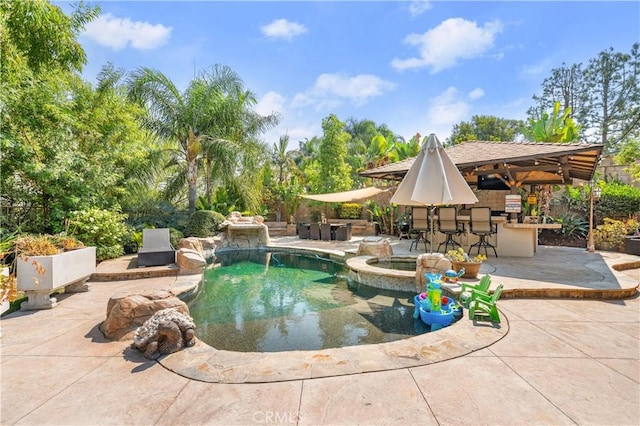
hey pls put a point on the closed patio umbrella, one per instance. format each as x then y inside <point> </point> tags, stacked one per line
<point>433,180</point>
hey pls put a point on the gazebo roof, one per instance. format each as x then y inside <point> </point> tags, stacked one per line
<point>515,163</point>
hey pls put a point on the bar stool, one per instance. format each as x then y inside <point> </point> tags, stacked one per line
<point>480,225</point>
<point>420,225</point>
<point>448,224</point>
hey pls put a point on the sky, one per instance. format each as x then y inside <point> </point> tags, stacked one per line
<point>416,66</point>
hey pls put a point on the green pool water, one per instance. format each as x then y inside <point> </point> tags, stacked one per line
<point>258,301</point>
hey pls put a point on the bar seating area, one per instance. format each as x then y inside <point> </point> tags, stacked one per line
<point>449,225</point>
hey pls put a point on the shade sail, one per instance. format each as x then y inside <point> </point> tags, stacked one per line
<point>433,179</point>
<point>346,196</point>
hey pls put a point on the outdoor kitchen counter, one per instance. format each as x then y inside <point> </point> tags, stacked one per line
<point>520,239</point>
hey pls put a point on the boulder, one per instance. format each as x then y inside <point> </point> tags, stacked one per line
<point>127,312</point>
<point>429,262</point>
<point>191,243</point>
<point>375,246</point>
<point>190,261</point>
<point>166,332</point>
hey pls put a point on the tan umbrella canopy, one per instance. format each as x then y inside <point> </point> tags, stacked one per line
<point>433,180</point>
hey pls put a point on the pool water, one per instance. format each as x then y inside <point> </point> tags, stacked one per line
<point>260,301</point>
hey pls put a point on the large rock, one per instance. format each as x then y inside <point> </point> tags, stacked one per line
<point>191,243</point>
<point>166,332</point>
<point>190,261</point>
<point>375,246</point>
<point>126,312</point>
<point>429,262</point>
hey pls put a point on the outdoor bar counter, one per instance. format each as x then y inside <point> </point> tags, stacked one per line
<point>510,239</point>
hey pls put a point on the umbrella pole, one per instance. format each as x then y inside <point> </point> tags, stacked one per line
<point>433,209</point>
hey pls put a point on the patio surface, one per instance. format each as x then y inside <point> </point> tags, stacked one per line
<point>562,361</point>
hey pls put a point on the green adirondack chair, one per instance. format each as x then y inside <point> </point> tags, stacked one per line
<point>483,305</point>
<point>466,293</point>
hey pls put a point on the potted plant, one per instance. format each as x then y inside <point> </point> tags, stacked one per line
<point>460,259</point>
<point>45,263</point>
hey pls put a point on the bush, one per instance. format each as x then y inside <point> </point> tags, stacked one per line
<point>204,223</point>
<point>618,201</point>
<point>104,229</point>
<point>350,211</point>
<point>175,236</point>
<point>612,232</point>
<point>572,225</point>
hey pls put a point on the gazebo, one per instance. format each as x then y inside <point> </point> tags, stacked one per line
<point>509,165</point>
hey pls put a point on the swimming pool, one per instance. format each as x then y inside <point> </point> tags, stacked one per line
<point>271,301</point>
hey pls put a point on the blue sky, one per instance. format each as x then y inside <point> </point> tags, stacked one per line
<point>415,66</point>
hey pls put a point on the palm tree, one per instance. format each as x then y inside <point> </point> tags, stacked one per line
<point>185,118</point>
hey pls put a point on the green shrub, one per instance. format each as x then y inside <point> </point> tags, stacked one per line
<point>618,201</point>
<point>104,229</point>
<point>350,211</point>
<point>572,225</point>
<point>175,236</point>
<point>204,223</point>
<point>612,232</point>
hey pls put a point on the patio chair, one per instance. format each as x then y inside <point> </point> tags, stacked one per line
<point>314,231</point>
<point>467,290</point>
<point>156,248</point>
<point>343,233</point>
<point>325,232</point>
<point>419,226</point>
<point>449,225</point>
<point>480,225</point>
<point>303,231</point>
<point>483,306</point>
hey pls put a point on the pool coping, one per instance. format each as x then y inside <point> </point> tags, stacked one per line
<point>207,364</point>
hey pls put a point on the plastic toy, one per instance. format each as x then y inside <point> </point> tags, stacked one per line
<point>451,276</point>
<point>483,306</point>
<point>467,290</point>
<point>433,308</point>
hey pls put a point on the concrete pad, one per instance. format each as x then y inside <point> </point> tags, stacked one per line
<point>626,367</point>
<point>28,382</point>
<point>227,404</point>
<point>468,391</point>
<point>584,389</point>
<point>530,340</point>
<point>594,339</point>
<point>121,391</point>
<point>389,397</point>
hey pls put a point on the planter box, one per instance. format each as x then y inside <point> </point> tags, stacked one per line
<point>39,276</point>
<point>632,245</point>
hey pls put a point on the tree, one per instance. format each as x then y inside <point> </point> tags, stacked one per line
<point>613,98</point>
<point>37,35</point>
<point>554,127</point>
<point>330,172</point>
<point>566,85</point>
<point>485,128</point>
<point>203,112</point>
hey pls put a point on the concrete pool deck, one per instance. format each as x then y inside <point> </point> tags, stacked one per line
<point>562,361</point>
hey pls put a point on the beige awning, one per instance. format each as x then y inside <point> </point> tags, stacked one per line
<point>347,196</point>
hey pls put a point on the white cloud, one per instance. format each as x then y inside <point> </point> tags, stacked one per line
<point>116,33</point>
<point>270,103</point>
<point>283,29</point>
<point>447,108</point>
<point>444,46</point>
<point>536,70</point>
<point>418,7</point>
<point>476,93</point>
<point>330,90</point>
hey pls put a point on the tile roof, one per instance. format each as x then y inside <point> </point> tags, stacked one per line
<point>526,162</point>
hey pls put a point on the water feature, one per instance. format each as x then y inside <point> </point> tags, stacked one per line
<point>266,301</point>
